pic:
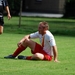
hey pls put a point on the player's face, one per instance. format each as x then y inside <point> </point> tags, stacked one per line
<point>40,29</point>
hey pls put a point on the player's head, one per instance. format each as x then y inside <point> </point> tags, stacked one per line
<point>43,26</point>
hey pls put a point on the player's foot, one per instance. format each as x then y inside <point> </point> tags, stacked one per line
<point>21,57</point>
<point>9,57</point>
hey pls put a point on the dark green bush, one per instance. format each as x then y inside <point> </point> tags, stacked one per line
<point>70,9</point>
<point>14,6</point>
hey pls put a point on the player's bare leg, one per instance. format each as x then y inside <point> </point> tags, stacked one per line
<point>38,56</point>
<point>31,44</point>
<point>1,29</point>
<point>26,43</point>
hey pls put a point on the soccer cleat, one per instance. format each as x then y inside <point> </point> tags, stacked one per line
<point>21,57</point>
<point>9,57</point>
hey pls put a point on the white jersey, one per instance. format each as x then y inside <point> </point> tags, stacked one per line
<point>49,41</point>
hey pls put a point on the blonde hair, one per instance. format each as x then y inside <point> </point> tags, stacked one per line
<point>45,25</point>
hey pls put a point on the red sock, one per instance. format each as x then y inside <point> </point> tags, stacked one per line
<point>28,57</point>
<point>18,50</point>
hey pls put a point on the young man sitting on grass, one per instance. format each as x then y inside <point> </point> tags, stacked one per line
<point>46,51</point>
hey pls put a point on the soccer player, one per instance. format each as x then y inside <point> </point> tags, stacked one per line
<point>3,6</point>
<point>44,51</point>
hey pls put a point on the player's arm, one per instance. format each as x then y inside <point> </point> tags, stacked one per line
<point>8,12</point>
<point>55,53</point>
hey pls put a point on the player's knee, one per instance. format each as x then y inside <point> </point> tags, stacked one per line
<point>37,55</point>
<point>26,41</point>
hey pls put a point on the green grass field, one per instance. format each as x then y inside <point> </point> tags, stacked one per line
<point>66,49</point>
<point>29,24</point>
<point>8,43</point>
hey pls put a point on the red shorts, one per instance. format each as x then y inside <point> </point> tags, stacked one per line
<point>39,49</point>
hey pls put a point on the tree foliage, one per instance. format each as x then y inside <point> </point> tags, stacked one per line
<point>70,9</point>
<point>14,6</point>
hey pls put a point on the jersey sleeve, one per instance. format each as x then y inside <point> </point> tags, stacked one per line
<point>5,3</point>
<point>34,35</point>
<point>51,40</point>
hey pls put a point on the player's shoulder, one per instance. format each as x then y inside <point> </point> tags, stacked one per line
<point>4,0</point>
<point>48,33</point>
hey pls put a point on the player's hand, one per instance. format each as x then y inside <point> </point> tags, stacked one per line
<point>9,16</point>
<point>56,61</point>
